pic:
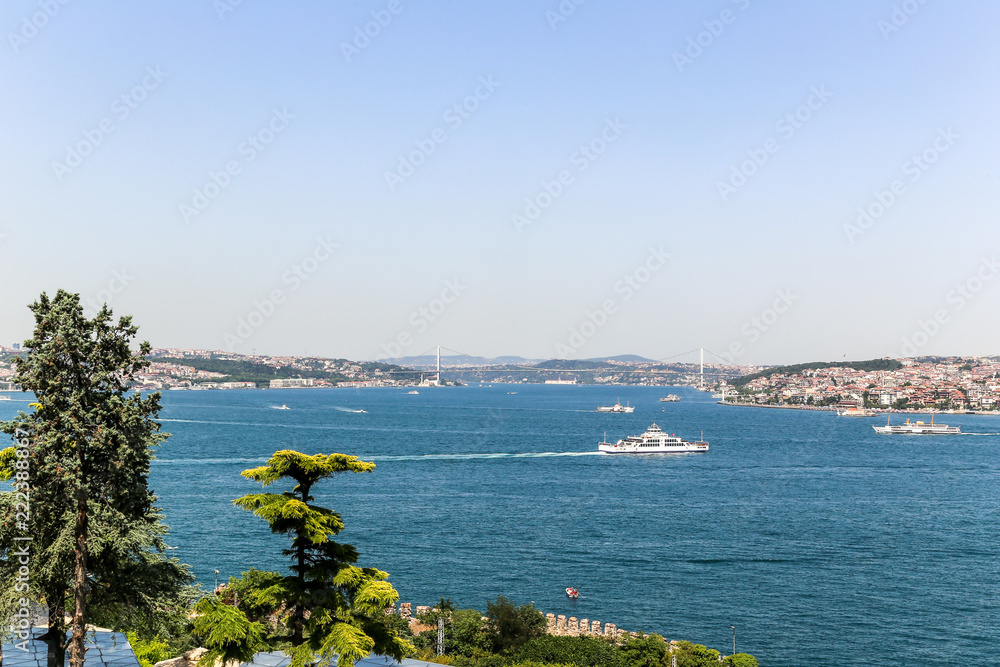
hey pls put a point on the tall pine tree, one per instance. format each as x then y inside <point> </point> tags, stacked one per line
<point>337,608</point>
<point>97,536</point>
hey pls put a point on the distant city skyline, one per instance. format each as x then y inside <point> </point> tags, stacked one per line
<point>774,182</point>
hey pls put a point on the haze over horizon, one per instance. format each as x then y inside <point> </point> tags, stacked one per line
<point>782,182</point>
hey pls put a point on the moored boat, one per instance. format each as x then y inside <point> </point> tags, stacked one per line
<point>572,593</point>
<point>855,412</point>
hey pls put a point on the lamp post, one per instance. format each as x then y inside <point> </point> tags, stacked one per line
<point>734,638</point>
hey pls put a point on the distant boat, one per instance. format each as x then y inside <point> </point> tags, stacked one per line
<point>855,412</point>
<point>4,397</point>
<point>670,398</point>
<point>281,407</point>
<point>572,593</point>
<point>413,392</point>
<point>617,407</point>
<point>511,393</point>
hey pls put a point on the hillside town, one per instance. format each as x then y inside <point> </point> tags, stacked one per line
<point>950,383</point>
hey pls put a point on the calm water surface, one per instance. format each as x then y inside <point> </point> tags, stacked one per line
<point>811,534</point>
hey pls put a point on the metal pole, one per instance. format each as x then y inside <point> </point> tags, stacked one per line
<point>734,638</point>
<point>440,643</point>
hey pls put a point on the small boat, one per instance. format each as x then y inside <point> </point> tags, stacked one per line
<point>4,397</point>
<point>281,407</point>
<point>413,392</point>
<point>670,398</point>
<point>617,407</point>
<point>511,393</point>
<point>572,593</point>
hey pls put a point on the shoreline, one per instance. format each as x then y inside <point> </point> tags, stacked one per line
<point>878,411</point>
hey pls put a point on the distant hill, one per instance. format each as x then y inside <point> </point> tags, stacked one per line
<point>870,365</point>
<point>629,358</point>
<point>457,360</point>
<point>573,364</point>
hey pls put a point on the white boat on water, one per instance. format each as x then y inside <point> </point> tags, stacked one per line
<point>670,398</point>
<point>653,441</point>
<point>617,407</point>
<point>855,412</point>
<point>4,397</point>
<point>413,392</point>
<point>918,428</point>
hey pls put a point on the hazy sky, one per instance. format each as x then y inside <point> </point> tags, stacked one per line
<point>578,179</point>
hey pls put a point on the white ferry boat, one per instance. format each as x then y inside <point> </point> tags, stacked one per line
<point>653,441</point>
<point>670,398</point>
<point>617,407</point>
<point>918,428</point>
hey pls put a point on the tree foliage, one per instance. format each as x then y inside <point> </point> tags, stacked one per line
<point>345,603</point>
<point>227,633</point>
<point>511,626</point>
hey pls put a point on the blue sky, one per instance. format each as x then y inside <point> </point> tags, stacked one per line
<point>664,146</point>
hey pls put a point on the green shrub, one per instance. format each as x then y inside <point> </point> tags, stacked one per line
<point>149,652</point>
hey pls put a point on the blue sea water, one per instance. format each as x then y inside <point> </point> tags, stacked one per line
<point>814,536</point>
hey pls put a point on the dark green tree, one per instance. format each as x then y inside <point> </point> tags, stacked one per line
<point>345,604</point>
<point>581,651</point>
<point>97,537</point>
<point>740,660</point>
<point>511,626</point>
<point>646,651</point>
